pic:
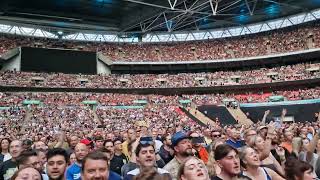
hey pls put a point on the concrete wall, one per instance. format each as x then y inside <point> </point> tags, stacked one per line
<point>13,63</point>
<point>102,68</point>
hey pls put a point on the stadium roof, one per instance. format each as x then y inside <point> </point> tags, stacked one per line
<point>141,16</point>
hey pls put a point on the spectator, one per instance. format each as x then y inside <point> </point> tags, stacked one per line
<point>57,163</point>
<point>193,168</point>
<point>96,166</point>
<point>146,157</point>
<point>9,167</point>
<point>27,173</point>
<point>183,149</point>
<point>74,171</point>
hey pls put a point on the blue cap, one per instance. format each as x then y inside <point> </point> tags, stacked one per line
<point>177,137</point>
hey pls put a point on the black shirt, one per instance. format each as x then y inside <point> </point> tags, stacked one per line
<point>117,162</point>
<point>165,155</point>
<point>7,169</point>
<point>216,178</point>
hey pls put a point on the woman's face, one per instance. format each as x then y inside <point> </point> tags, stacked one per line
<point>28,174</point>
<point>5,144</point>
<point>305,143</point>
<point>251,157</point>
<point>260,143</point>
<point>72,158</point>
<point>195,169</point>
<point>309,175</point>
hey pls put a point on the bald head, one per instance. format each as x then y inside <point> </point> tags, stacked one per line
<point>81,150</point>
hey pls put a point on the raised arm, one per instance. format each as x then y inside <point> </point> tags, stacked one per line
<point>264,118</point>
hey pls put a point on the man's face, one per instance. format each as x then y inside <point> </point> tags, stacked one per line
<point>235,133</point>
<point>56,167</point>
<point>109,146</point>
<point>40,145</point>
<point>154,133</point>
<point>15,148</point>
<point>184,147</point>
<point>118,145</point>
<point>168,141</point>
<point>147,157</point>
<point>95,170</point>
<point>230,163</point>
<point>110,136</point>
<point>34,162</point>
<point>288,135</point>
<point>74,140</point>
<point>99,143</point>
<point>42,158</point>
<point>81,150</point>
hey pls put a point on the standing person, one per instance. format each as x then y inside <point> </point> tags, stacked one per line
<point>228,160</point>
<point>4,148</point>
<point>118,159</point>
<point>96,166</point>
<point>251,163</point>
<point>9,167</point>
<point>131,138</point>
<point>74,171</point>
<point>146,158</point>
<point>183,149</point>
<point>98,142</point>
<point>234,138</point>
<point>197,144</point>
<point>73,141</point>
<point>57,163</point>
<point>166,152</point>
<point>31,159</point>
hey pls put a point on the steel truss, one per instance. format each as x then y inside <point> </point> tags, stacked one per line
<point>172,35</point>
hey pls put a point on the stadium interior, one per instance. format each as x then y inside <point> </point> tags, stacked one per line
<point>99,68</point>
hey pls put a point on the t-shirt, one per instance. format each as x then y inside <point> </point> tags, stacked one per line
<point>74,172</point>
<point>165,155</point>
<point>287,145</point>
<point>216,178</point>
<point>117,162</point>
<point>173,168</point>
<point>114,176</point>
<point>7,169</point>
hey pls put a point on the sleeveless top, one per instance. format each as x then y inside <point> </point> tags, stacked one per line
<point>265,174</point>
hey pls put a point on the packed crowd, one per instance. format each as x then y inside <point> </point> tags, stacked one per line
<point>280,41</point>
<point>60,141</point>
<point>208,79</point>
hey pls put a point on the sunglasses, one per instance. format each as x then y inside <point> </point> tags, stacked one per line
<point>146,142</point>
<point>219,135</point>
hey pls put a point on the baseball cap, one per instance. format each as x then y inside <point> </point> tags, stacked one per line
<point>261,127</point>
<point>85,141</point>
<point>177,137</point>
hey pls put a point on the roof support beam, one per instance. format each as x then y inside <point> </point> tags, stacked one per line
<point>214,6</point>
<point>172,5</point>
<point>251,11</point>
